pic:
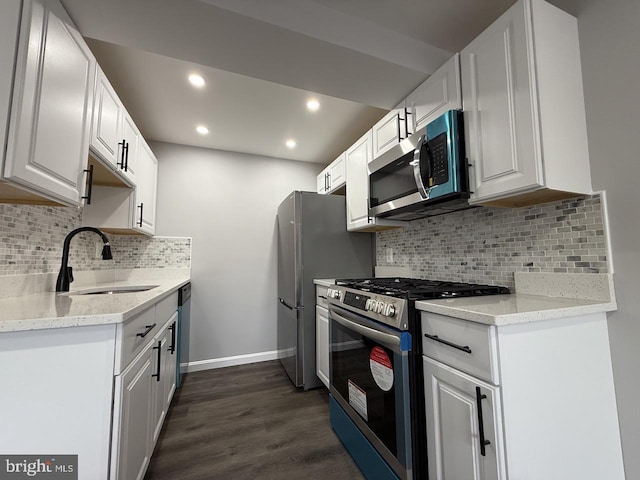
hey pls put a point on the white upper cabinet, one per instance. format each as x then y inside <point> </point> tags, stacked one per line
<point>525,125</point>
<point>440,93</point>
<point>48,132</point>
<point>389,131</point>
<point>107,118</point>
<point>146,190</point>
<point>357,158</point>
<point>114,135</point>
<point>333,177</point>
<point>122,210</point>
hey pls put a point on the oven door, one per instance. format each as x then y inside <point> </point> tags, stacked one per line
<point>369,376</point>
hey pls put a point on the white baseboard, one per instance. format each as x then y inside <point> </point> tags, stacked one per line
<point>228,361</point>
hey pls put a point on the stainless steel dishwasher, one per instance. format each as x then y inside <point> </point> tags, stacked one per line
<point>184,314</point>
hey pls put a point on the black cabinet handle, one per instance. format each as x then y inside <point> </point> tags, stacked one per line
<point>121,162</point>
<point>398,125</point>
<point>159,348</point>
<point>148,329</point>
<point>141,206</point>
<point>87,197</point>
<point>172,347</point>
<point>465,349</point>
<point>483,442</point>
<point>126,156</point>
<point>406,121</point>
<point>328,181</point>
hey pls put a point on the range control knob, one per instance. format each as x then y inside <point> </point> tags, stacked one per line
<point>335,294</point>
<point>380,307</point>
<point>389,310</point>
<point>369,304</point>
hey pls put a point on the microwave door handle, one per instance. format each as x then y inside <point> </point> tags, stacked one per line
<point>390,341</point>
<point>424,192</point>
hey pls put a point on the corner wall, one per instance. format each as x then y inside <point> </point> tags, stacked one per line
<point>227,203</point>
<point>609,48</point>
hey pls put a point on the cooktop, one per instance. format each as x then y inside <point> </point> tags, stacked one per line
<point>420,289</point>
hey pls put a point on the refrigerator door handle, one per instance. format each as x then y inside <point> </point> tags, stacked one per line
<point>286,304</point>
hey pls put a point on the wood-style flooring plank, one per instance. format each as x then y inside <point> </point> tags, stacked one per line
<point>248,422</point>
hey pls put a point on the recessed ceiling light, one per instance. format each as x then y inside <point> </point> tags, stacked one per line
<point>313,105</point>
<point>196,80</point>
<point>291,143</point>
<point>202,130</point>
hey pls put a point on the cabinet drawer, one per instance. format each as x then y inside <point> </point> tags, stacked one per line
<point>166,307</point>
<point>470,346</point>
<point>136,333</point>
<point>321,296</point>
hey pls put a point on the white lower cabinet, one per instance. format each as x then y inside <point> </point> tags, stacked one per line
<point>90,390</point>
<point>524,401</point>
<point>459,408</point>
<point>144,390</point>
<point>133,396</point>
<point>164,376</point>
<point>322,335</point>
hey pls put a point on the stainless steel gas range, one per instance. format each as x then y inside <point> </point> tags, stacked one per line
<point>377,391</point>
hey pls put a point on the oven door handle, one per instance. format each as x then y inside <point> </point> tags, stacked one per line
<point>390,341</point>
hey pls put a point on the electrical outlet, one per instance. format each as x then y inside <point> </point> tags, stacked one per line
<point>389,253</point>
<point>99,250</point>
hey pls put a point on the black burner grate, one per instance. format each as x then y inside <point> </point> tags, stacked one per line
<point>420,289</point>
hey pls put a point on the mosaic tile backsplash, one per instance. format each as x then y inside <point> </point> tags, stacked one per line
<point>31,239</point>
<point>486,245</point>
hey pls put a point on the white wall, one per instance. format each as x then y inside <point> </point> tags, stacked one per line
<point>610,53</point>
<point>228,203</point>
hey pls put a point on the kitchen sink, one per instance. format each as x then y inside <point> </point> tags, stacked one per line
<point>113,290</point>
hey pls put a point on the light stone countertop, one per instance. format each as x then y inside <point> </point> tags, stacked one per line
<point>539,296</point>
<point>52,310</point>
<point>514,308</point>
<point>325,282</point>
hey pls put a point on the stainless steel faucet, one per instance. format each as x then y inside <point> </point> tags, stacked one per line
<point>65,277</point>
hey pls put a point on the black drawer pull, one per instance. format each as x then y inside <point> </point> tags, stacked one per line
<point>148,329</point>
<point>158,347</point>
<point>465,349</point>
<point>483,441</point>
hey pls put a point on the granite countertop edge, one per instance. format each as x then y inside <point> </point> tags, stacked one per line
<point>50,310</point>
<point>514,308</point>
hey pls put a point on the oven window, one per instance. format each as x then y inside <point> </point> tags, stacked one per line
<point>393,181</point>
<point>362,373</point>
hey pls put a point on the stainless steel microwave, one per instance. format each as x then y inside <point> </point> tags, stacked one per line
<point>424,175</point>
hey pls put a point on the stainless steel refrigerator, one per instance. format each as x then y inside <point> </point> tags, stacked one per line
<point>313,242</point>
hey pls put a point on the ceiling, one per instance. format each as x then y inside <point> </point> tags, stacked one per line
<point>262,61</point>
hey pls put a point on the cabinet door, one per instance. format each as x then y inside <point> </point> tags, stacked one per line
<point>337,174</point>
<point>357,159</point>
<point>158,403</point>
<point>48,137</point>
<point>389,131</point>
<point>502,148</point>
<point>132,437</point>
<point>170,362</point>
<point>107,119</point>
<point>146,181</point>
<point>440,93</point>
<point>322,345</point>
<point>127,161</point>
<point>323,181</point>
<point>458,417</point>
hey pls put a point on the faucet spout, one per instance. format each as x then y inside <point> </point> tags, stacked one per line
<point>65,277</point>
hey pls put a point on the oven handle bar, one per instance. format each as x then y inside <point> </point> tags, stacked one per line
<point>386,339</point>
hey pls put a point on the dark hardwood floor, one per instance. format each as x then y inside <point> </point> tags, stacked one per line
<point>248,422</point>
